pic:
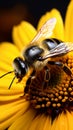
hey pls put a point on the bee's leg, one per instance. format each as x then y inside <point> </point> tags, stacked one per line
<point>29,81</point>
<point>19,80</point>
<point>60,64</point>
<point>46,77</point>
<point>27,85</point>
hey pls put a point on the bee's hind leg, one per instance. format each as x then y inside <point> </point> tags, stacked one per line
<point>60,64</point>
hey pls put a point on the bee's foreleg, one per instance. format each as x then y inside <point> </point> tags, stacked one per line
<point>29,81</point>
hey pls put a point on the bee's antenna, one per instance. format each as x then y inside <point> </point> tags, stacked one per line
<point>12,82</point>
<point>12,79</point>
<point>6,73</point>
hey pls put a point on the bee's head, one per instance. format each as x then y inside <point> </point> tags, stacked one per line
<point>20,67</point>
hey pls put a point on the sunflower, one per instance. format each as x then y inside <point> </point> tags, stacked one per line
<point>50,109</point>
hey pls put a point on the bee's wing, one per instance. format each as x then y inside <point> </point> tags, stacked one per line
<point>59,50</point>
<point>45,31</point>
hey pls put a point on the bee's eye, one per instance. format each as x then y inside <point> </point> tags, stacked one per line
<point>32,54</point>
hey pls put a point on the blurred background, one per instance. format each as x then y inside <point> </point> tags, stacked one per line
<point>13,11</point>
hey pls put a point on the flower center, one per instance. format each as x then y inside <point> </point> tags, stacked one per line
<point>54,96</point>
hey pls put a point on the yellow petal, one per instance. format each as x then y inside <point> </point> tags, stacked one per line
<point>5,66</point>
<point>9,95</point>
<point>47,125</point>
<point>59,28</point>
<point>24,121</point>
<point>23,34</point>
<point>12,106</point>
<point>42,124</point>
<point>16,38</point>
<point>69,23</point>
<point>60,123</point>
<point>12,113</point>
<point>8,52</point>
<point>70,120</point>
<point>34,123</point>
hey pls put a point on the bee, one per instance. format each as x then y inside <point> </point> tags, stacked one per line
<point>40,52</point>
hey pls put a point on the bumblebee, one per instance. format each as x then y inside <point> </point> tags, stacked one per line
<point>41,50</point>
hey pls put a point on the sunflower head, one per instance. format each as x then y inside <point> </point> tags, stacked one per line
<point>55,96</point>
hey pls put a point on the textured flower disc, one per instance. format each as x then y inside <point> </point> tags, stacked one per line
<point>56,95</point>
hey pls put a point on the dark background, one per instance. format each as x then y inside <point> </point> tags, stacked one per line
<point>13,11</point>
